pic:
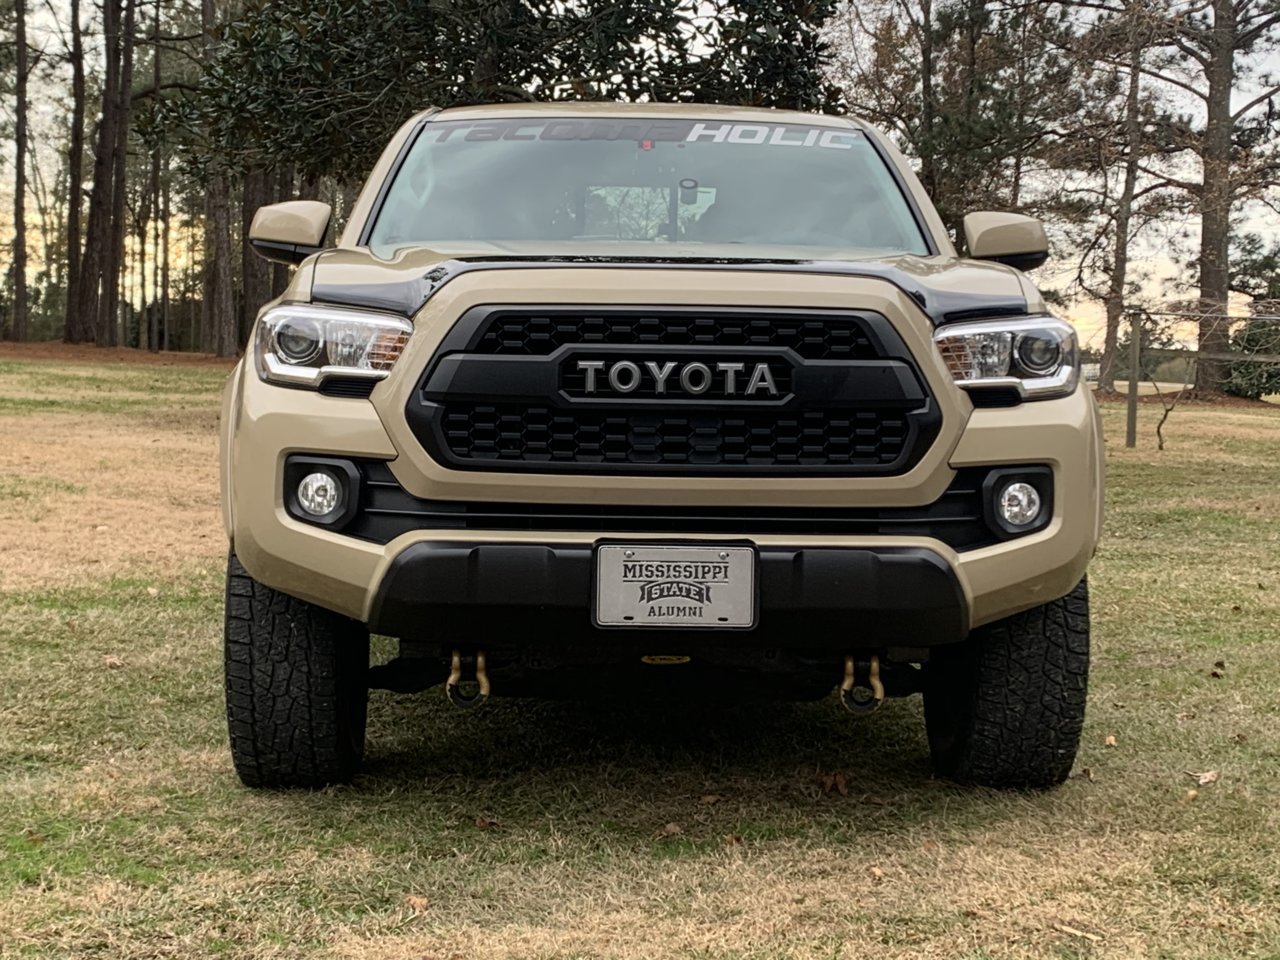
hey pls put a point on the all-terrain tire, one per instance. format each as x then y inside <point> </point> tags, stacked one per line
<point>297,687</point>
<point>1006,707</point>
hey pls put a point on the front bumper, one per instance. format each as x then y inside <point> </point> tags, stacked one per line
<point>446,590</point>
<point>393,586</point>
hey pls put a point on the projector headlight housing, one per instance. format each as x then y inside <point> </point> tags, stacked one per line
<point>302,345</point>
<point>1037,357</point>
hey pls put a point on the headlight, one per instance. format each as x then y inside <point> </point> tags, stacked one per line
<point>1036,356</point>
<point>302,345</point>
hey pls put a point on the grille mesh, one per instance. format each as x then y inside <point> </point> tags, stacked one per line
<point>834,338</point>
<point>513,432</point>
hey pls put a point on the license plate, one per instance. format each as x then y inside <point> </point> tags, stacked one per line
<point>675,586</point>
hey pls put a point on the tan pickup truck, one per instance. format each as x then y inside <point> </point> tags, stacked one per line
<point>685,398</point>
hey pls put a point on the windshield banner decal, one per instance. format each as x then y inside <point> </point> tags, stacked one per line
<point>647,132</point>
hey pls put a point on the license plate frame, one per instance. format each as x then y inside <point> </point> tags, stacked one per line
<point>720,592</point>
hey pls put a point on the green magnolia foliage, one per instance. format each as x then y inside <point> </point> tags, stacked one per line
<point>321,84</point>
<point>1255,271</point>
<point>1256,378</point>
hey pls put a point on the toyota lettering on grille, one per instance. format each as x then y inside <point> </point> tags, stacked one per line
<point>730,379</point>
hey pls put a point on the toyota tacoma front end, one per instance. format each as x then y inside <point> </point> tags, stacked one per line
<point>689,396</point>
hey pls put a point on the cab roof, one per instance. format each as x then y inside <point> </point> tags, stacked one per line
<point>701,111</point>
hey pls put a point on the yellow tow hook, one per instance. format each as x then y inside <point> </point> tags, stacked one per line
<point>453,686</point>
<point>859,698</point>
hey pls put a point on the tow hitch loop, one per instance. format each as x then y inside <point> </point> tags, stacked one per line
<point>862,698</point>
<point>474,666</point>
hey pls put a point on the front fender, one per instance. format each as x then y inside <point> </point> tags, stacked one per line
<point>227,424</point>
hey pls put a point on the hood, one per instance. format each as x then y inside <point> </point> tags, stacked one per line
<point>947,289</point>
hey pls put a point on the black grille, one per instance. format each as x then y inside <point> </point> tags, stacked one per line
<point>537,334</point>
<point>956,518</point>
<point>515,432</point>
<point>347,386</point>
<point>507,391</point>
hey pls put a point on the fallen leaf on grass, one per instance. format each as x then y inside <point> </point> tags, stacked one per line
<point>1076,932</point>
<point>417,904</point>
<point>153,592</point>
<point>112,662</point>
<point>488,823</point>
<point>669,830</point>
<point>1204,779</point>
<point>835,782</point>
<point>875,873</point>
<point>1110,741</point>
<point>1190,795</point>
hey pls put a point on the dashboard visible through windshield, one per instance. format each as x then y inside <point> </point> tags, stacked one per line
<point>645,181</point>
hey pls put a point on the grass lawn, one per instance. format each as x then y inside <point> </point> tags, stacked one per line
<point>529,830</point>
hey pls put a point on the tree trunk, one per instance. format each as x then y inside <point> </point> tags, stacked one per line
<point>1124,212</point>
<point>114,263</point>
<point>152,314</point>
<point>218,312</point>
<point>98,221</point>
<point>77,328</point>
<point>19,329</point>
<point>164,258</point>
<point>221,331</point>
<point>255,271</point>
<point>284,191</point>
<point>1215,196</point>
<point>928,101</point>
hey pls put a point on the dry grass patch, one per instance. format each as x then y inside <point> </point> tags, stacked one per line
<point>85,496</point>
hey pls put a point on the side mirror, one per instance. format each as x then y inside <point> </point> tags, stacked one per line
<point>1008,238</point>
<point>289,232</point>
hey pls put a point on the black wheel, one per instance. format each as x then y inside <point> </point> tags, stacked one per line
<point>297,687</point>
<point>1006,707</point>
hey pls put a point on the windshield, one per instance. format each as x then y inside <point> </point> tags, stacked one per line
<point>645,181</point>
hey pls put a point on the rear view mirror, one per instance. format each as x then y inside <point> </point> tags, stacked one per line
<point>1008,238</point>
<point>289,232</point>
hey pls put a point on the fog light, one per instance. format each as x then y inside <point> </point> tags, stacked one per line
<point>1020,504</point>
<point>320,494</point>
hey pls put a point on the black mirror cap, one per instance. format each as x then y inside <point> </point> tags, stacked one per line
<point>1021,261</point>
<point>276,252</point>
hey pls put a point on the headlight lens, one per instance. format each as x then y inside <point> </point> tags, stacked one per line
<point>1036,356</point>
<point>302,345</point>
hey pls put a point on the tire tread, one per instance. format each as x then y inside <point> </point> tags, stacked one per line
<point>1019,722</point>
<point>295,687</point>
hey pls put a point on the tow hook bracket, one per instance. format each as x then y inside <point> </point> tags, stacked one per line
<point>862,691</point>
<point>467,670</point>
